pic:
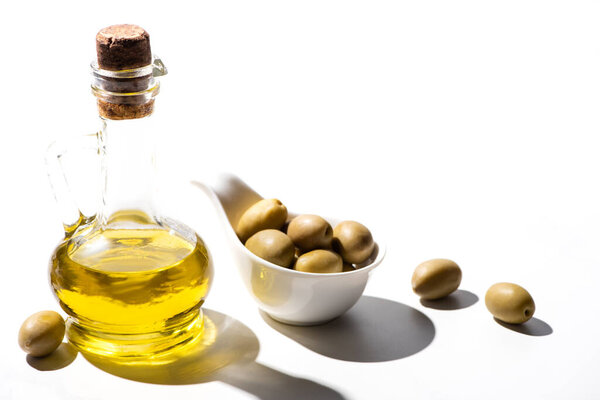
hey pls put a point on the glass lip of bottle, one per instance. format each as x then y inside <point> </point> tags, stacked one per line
<point>156,68</point>
<point>138,83</point>
<point>129,97</point>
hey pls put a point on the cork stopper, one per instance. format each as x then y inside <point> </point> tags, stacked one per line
<point>123,76</point>
<point>121,47</point>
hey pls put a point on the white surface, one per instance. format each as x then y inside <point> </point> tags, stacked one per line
<point>467,129</point>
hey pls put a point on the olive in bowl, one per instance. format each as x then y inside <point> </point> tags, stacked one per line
<point>310,232</point>
<point>353,241</point>
<point>319,261</point>
<point>272,245</point>
<point>264,214</point>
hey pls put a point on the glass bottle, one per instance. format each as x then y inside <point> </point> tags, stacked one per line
<point>131,280</point>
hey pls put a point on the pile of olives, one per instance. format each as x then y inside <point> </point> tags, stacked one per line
<point>307,243</point>
<point>508,302</point>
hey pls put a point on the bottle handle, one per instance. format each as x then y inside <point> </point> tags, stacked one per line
<point>72,213</point>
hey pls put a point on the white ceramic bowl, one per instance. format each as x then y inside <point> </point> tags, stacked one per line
<point>287,295</point>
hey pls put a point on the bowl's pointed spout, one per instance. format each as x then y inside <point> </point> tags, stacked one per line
<point>232,195</point>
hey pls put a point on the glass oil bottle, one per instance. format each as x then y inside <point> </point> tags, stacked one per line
<point>131,280</point>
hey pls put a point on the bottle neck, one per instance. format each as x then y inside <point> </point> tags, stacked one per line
<point>127,151</point>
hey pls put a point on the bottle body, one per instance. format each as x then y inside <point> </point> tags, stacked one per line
<point>133,289</point>
<point>131,280</point>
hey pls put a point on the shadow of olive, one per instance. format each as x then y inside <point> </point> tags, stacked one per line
<point>533,327</point>
<point>454,301</point>
<point>374,330</point>
<point>226,352</point>
<point>64,355</point>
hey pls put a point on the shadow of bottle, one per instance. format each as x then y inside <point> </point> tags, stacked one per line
<point>269,384</point>
<point>226,352</point>
<point>454,301</point>
<point>533,327</point>
<point>373,330</point>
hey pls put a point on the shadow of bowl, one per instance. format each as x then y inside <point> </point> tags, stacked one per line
<point>64,355</point>
<point>454,301</point>
<point>374,330</point>
<point>533,327</point>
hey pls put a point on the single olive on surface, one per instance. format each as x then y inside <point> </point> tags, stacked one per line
<point>272,245</point>
<point>310,232</point>
<point>353,241</point>
<point>510,303</point>
<point>319,261</point>
<point>264,214</point>
<point>436,278</point>
<point>42,333</point>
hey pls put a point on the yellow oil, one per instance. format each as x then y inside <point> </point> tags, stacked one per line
<point>131,292</point>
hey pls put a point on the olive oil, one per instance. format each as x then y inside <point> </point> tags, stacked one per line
<point>134,291</point>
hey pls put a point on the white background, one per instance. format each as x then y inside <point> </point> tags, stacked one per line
<point>459,129</point>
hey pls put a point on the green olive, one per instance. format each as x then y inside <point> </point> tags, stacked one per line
<point>264,214</point>
<point>353,241</point>
<point>436,278</point>
<point>319,261</point>
<point>272,245</point>
<point>310,232</point>
<point>510,303</point>
<point>42,333</point>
